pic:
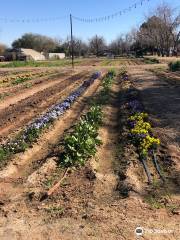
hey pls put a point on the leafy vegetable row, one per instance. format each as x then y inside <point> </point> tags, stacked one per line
<point>82,143</point>
<point>20,78</point>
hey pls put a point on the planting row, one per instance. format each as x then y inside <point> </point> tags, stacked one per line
<point>23,77</point>
<point>82,143</point>
<point>140,132</point>
<point>32,131</point>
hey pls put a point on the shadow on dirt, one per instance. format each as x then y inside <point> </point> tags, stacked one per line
<point>161,101</point>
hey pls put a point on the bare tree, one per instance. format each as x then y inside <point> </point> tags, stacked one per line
<point>161,30</point>
<point>80,47</point>
<point>97,44</point>
<point>117,45</point>
<point>122,44</point>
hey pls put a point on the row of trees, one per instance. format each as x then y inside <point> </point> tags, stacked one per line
<point>159,34</point>
<point>41,43</point>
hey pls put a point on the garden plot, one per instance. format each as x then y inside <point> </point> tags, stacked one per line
<point>22,82</point>
<point>21,77</point>
<point>29,160</point>
<point>29,134</point>
<point>16,93</point>
<point>20,113</point>
<point>111,191</point>
<point>120,62</point>
<point>160,97</point>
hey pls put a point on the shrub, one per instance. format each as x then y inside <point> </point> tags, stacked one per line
<point>174,66</point>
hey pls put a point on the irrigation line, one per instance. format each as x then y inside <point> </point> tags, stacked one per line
<point>156,165</point>
<point>144,160</point>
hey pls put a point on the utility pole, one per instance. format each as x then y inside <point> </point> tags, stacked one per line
<point>72,43</point>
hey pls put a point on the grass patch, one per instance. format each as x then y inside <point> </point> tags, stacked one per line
<point>57,63</point>
<point>55,210</point>
<point>151,60</point>
<point>153,201</point>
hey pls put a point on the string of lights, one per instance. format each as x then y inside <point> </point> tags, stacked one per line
<point>111,16</point>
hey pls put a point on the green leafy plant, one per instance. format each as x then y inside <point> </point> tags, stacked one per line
<point>82,143</point>
<point>111,73</point>
<point>4,153</point>
<point>20,80</point>
<point>33,134</point>
<point>174,66</point>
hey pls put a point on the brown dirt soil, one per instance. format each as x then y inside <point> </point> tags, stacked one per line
<point>17,115</point>
<point>171,77</point>
<point>17,179</point>
<point>12,90</point>
<point>108,197</point>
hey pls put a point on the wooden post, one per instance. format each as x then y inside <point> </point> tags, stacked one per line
<point>72,43</point>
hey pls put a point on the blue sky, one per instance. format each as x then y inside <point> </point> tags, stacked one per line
<point>33,9</point>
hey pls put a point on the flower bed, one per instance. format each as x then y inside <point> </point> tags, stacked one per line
<point>140,133</point>
<point>32,131</point>
<point>124,74</point>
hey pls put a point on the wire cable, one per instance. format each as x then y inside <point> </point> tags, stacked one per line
<point>33,20</point>
<point>111,16</point>
<point>87,20</point>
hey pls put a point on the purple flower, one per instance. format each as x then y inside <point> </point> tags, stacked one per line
<point>53,113</point>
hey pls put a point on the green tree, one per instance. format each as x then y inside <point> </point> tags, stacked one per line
<point>36,41</point>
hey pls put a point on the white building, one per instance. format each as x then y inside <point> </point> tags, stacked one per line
<point>57,55</point>
<point>31,54</point>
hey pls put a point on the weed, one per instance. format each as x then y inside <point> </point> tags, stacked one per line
<point>4,153</point>
<point>3,95</point>
<point>57,210</point>
<point>153,201</point>
<point>28,85</point>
